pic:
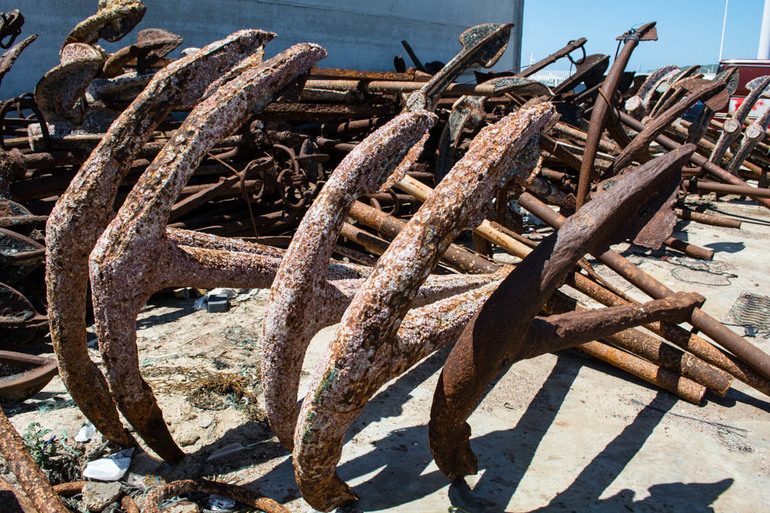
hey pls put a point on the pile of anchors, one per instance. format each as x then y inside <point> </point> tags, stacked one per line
<point>109,198</point>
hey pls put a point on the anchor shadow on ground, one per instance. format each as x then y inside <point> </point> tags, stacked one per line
<point>396,470</point>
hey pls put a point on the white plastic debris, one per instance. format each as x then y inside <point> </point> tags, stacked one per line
<point>218,503</point>
<point>110,468</point>
<point>246,294</point>
<point>202,301</point>
<point>86,432</point>
<point>230,293</point>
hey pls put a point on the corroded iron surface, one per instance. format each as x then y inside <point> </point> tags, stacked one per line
<point>498,334</point>
<point>31,479</point>
<point>120,276</point>
<point>298,295</point>
<point>85,209</point>
<point>361,354</point>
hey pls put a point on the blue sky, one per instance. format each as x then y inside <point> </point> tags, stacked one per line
<point>689,31</point>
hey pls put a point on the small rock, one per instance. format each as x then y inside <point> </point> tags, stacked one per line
<point>143,482</point>
<point>183,507</point>
<point>98,495</point>
<point>205,421</point>
<point>187,438</point>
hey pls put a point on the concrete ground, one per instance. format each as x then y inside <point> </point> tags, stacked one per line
<point>567,433</point>
<point>560,433</point>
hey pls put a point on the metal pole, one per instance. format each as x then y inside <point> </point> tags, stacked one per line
<point>764,36</point>
<point>724,25</point>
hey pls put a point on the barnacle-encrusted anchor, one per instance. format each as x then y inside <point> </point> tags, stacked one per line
<point>85,209</point>
<point>372,344</point>
<point>134,257</point>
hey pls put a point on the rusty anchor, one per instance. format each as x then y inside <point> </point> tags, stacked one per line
<point>151,45</point>
<point>504,331</point>
<point>601,110</point>
<point>121,280</point>
<point>112,21</point>
<point>365,351</point>
<point>300,288</point>
<point>482,45</point>
<point>85,209</point>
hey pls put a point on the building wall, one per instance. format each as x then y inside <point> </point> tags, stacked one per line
<point>357,35</point>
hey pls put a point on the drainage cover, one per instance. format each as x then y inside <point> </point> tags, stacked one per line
<point>752,310</point>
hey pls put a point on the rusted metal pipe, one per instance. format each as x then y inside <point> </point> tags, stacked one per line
<point>691,250</point>
<point>503,331</point>
<point>32,480</point>
<point>696,158</point>
<point>740,190</point>
<point>687,389</point>
<point>725,337</point>
<point>394,87</point>
<point>364,238</point>
<point>699,217</point>
<point>678,336</point>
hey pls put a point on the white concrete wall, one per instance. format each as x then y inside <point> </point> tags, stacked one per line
<point>357,35</point>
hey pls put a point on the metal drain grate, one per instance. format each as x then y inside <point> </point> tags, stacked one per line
<point>752,310</point>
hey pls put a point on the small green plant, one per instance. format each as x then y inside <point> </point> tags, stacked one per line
<point>41,448</point>
<point>58,460</point>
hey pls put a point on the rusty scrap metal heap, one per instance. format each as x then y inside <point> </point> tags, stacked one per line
<point>135,173</point>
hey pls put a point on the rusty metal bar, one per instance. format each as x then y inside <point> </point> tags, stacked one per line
<point>393,87</point>
<point>699,217</point>
<point>32,480</point>
<point>555,56</point>
<point>568,130</point>
<point>685,388</point>
<point>364,238</point>
<point>652,287</point>
<point>691,250</point>
<point>740,190</point>
<point>696,158</point>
